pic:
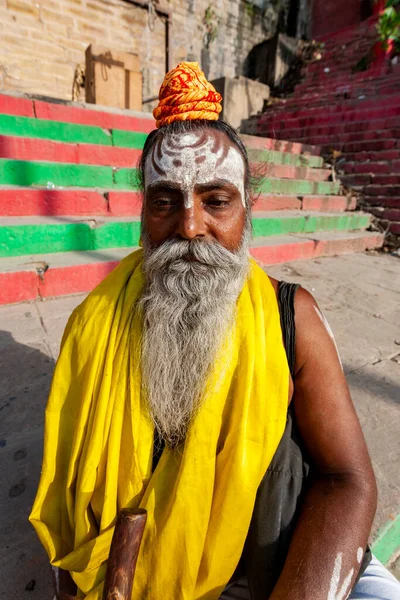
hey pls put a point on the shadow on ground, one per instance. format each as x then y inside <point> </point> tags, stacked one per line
<point>376,383</point>
<point>25,377</point>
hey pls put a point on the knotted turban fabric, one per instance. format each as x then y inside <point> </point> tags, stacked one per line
<point>187,95</point>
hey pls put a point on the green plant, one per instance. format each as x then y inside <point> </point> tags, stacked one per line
<point>388,25</point>
<point>211,22</point>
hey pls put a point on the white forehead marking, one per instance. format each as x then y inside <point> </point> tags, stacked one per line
<point>360,554</point>
<point>192,159</point>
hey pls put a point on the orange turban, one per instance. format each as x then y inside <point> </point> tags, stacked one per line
<point>186,95</point>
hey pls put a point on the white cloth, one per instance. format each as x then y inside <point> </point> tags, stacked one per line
<point>376,583</point>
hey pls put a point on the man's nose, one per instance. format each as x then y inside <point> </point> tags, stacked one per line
<point>191,223</point>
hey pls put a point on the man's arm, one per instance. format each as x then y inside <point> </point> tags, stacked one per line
<point>336,517</point>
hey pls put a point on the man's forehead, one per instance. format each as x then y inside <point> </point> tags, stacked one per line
<point>195,157</point>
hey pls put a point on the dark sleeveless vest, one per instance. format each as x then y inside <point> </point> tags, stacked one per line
<point>282,488</point>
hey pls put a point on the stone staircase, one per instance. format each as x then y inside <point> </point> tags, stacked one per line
<point>355,113</point>
<point>70,202</point>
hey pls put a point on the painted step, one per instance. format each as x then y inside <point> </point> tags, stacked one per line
<point>104,118</point>
<point>284,158</point>
<point>21,148</point>
<point>86,135</point>
<point>334,124</point>
<point>265,170</point>
<point>306,246</point>
<point>324,137</point>
<point>78,113</point>
<point>20,202</point>
<point>32,149</point>
<point>27,278</point>
<point>295,107</point>
<point>52,175</point>
<point>265,143</point>
<point>37,235</point>
<point>382,201</point>
<point>69,132</point>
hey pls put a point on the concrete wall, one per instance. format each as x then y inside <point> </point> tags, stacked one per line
<point>43,41</point>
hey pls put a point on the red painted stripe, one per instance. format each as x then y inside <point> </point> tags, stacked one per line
<point>10,105</point>
<point>266,202</point>
<point>282,253</point>
<point>20,286</point>
<point>32,149</point>
<point>91,154</point>
<point>124,203</point>
<point>268,169</point>
<point>328,203</point>
<point>87,116</point>
<point>75,279</point>
<point>20,202</point>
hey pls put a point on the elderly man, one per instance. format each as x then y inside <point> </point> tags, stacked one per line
<point>188,386</point>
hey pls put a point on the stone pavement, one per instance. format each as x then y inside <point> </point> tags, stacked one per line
<point>360,295</point>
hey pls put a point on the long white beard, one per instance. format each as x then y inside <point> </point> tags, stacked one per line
<point>188,305</point>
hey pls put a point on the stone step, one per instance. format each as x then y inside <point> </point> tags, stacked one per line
<point>349,148</point>
<point>385,201</point>
<point>330,125</point>
<point>254,142</point>
<point>363,179</point>
<point>316,117</point>
<point>20,202</point>
<point>33,149</point>
<point>21,148</point>
<point>295,107</point>
<point>77,113</point>
<point>42,235</point>
<point>341,138</point>
<point>265,170</point>
<point>92,144</point>
<point>73,133</point>
<point>53,175</point>
<point>27,277</point>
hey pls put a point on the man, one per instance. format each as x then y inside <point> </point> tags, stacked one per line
<point>172,392</point>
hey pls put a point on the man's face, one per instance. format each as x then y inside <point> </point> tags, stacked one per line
<point>194,189</point>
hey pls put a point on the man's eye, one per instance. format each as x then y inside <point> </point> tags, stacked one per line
<point>163,203</point>
<point>217,202</point>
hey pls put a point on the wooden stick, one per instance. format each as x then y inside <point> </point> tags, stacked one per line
<point>123,555</point>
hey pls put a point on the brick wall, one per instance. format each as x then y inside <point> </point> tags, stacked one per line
<point>43,41</point>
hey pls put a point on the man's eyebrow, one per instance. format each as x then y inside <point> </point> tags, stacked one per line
<point>214,184</point>
<point>163,184</point>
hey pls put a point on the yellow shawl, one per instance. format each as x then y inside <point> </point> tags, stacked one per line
<point>99,446</point>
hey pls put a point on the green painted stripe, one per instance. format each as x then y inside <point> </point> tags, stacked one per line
<point>126,179</point>
<point>47,174</point>
<point>387,543</point>
<point>128,139</point>
<point>285,158</point>
<point>54,130</point>
<point>89,134</point>
<point>65,237</point>
<point>18,240</point>
<point>308,224</point>
<point>297,186</point>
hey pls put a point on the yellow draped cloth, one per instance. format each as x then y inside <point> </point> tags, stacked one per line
<point>99,445</point>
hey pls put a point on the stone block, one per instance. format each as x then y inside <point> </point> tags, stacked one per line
<point>241,98</point>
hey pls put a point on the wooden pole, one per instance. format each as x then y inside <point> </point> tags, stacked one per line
<point>123,555</point>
